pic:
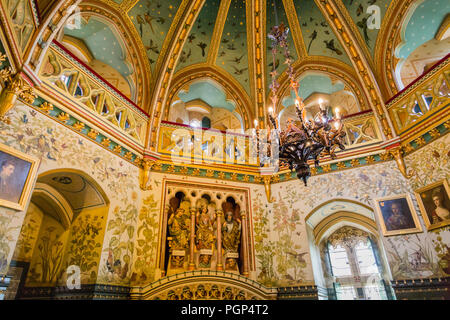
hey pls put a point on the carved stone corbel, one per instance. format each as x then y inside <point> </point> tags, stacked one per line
<point>15,86</point>
<point>397,154</point>
<point>144,173</point>
<point>266,180</point>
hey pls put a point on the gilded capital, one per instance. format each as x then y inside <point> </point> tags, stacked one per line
<point>15,86</point>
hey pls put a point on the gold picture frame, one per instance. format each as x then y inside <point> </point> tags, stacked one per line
<point>18,173</point>
<point>427,197</point>
<point>397,219</point>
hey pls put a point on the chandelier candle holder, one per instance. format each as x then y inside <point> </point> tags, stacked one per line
<point>304,140</point>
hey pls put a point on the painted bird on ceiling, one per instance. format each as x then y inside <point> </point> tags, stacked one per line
<point>152,47</point>
<point>239,71</point>
<point>184,57</point>
<point>202,46</point>
<point>191,37</point>
<point>277,63</point>
<point>148,18</point>
<point>140,22</point>
<point>237,60</point>
<point>313,37</point>
<point>359,10</point>
<point>330,45</point>
<point>363,26</point>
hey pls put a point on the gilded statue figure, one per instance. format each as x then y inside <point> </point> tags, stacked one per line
<point>231,233</point>
<point>179,230</point>
<point>205,232</point>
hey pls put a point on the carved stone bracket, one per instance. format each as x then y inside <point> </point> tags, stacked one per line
<point>144,173</point>
<point>14,86</point>
<point>267,180</point>
<point>397,154</point>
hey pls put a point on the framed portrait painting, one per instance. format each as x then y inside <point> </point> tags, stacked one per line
<point>397,215</point>
<point>434,203</point>
<point>17,175</point>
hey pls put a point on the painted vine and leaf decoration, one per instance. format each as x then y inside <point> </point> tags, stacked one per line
<point>121,244</point>
<point>50,257</point>
<point>147,235</point>
<point>85,245</point>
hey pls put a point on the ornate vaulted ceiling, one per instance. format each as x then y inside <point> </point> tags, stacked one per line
<point>166,49</point>
<point>223,36</point>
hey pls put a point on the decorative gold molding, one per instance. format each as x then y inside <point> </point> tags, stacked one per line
<point>218,30</point>
<point>165,72</point>
<point>362,45</point>
<point>144,173</point>
<point>397,153</point>
<point>46,33</point>
<point>136,51</point>
<point>15,86</point>
<point>297,34</point>
<point>267,187</point>
<point>386,44</point>
<point>365,74</point>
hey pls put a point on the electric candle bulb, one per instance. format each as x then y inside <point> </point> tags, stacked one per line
<point>270,109</point>
<point>337,111</point>
<point>320,103</point>
<point>256,123</point>
<point>336,125</point>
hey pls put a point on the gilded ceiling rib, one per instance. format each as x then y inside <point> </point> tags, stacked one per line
<point>347,38</point>
<point>354,29</point>
<point>171,38</point>
<point>296,31</point>
<point>257,63</point>
<point>386,44</point>
<point>129,35</point>
<point>218,30</point>
<point>186,16</point>
<point>14,56</point>
<point>45,34</point>
<point>251,49</point>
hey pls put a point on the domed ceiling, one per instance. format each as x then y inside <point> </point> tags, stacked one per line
<point>221,35</point>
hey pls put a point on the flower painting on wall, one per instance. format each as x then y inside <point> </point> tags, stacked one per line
<point>434,203</point>
<point>396,215</point>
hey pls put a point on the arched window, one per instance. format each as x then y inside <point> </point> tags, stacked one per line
<point>354,265</point>
<point>206,122</point>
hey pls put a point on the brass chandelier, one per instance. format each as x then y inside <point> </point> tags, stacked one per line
<point>305,140</point>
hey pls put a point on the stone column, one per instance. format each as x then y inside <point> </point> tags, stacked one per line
<point>244,236</point>
<point>219,266</point>
<point>192,243</point>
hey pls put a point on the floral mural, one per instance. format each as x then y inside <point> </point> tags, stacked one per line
<point>120,246</point>
<point>410,256</point>
<point>48,256</point>
<point>147,241</point>
<point>60,148</point>
<point>85,245</point>
<point>28,234</point>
